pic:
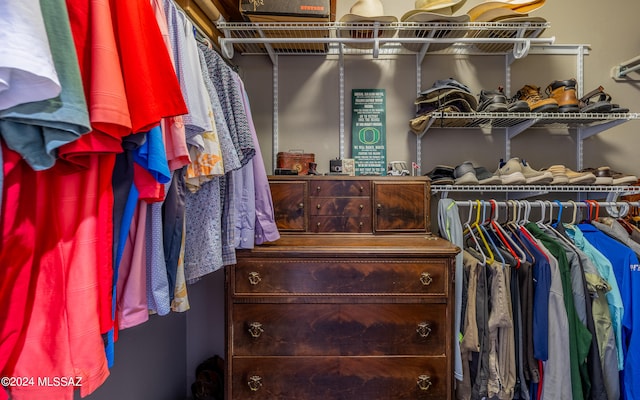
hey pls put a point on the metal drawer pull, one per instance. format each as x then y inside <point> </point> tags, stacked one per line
<point>424,382</point>
<point>318,188</point>
<point>361,206</point>
<point>318,206</point>
<point>379,206</point>
<point>301,206</point>
<point>254,278</point>
<point>424,329</point>
<point>255,329</point>
<point>255,383</point>
<point>361,188</point>
<point>426,278</point>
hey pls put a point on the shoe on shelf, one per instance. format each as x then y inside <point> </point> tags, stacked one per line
<point>535,177</point>
<point>441,175</point>
<point>492,101</point>
<point>465,174</point>
<point>564,93</point>
<point>603,175</point>
<point>510,172</point>
<point>486,177</point>
<point>580,178</point>
<point>531,94</point>
<point>559,173</point>
<point>622,179</point>
<point>515,105</point>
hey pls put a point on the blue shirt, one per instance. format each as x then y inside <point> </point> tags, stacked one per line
<point>627,272</point>
<point>541,286</point>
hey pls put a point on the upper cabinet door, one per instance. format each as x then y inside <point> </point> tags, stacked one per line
<point>289,205</point>
<point>400,206</point>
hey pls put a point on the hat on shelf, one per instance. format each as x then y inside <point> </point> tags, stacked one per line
<point>367,12</point>
<point>518,8</point>
<point>433,11</point>
<point>444,90</point>
<point>514,11</point>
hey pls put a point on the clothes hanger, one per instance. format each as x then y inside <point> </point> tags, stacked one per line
<point>476,225</point>
<point>469,234</point>
<point>518,255</point>
<point>489,238</point>
<point>513,228</point>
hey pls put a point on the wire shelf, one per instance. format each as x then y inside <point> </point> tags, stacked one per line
<point>535,188</point>
<point>395,38</point>
<point>505,120</point>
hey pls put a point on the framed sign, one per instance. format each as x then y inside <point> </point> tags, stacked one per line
<point>368,131</point>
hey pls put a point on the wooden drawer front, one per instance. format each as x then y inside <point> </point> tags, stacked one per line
<point>346,276</point>
<point>401,207</point>
<point>289,205</point>
<point>340,224</point>
<point>339,378</point>
<point>339,188</point>
<point>339,329</point>
<point>341,206</point>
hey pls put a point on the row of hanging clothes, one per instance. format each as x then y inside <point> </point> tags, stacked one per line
<point>545,305</point>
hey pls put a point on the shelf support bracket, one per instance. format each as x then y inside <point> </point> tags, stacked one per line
<point>585,132</point>
<point>513,131</point>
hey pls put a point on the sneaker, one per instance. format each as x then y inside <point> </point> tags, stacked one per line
<point>492,101</point>
<point>564,93</point>
<point>531,94</point>
<point>486,177</point>
<point>465,174</point>
<point>535,177</point>
<point>620,179</point>
<point>441,175</point>
<point>564,175</point>
<point>510,172</point>
<point>559,173</point>
<point>603,175</point>
<point>580,178</point>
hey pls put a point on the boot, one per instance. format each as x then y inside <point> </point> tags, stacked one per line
<point>531,94</point>
<point>564,92</point>
<point>312,169</point>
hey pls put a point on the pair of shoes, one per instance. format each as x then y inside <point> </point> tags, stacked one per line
<point>564,93</point>
<point>492,101</point>
<point>563,175</point>
<point>496,101</point>
<point>519,172</point>
<point>598,101</point>
<point>467,174</point>
<point>531,94</point>
<point>603,175</point>
<point>441,175</point>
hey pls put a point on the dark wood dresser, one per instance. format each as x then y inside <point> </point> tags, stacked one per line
<point>338,315</point>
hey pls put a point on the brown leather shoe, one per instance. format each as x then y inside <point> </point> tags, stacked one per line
<point>531,94</point>
<point>564,92</point>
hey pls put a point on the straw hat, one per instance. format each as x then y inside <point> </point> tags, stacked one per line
<point>518,7</point>
<point>429,7</point>
<point>367,11</point>
<point>433,11</point>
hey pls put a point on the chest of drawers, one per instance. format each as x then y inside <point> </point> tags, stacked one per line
<point>341,317</point>
<point>355,205</point>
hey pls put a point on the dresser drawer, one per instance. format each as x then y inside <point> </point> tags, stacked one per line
<point>339,378</point>
<point>322,224</point>
<point>341,206</point>
<point>341,276</point>
<point>339,329</point>
<point>337,188</point>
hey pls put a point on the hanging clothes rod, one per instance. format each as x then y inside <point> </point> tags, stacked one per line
<point>613,208</point>
<point>547,203</point>
<point>621,70</point>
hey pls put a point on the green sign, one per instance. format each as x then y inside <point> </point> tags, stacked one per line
<point>368,131</point>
